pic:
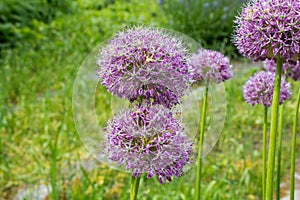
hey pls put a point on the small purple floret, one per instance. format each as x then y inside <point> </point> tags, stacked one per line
<point>145,64</point>
<point>148,139</point>
<point>211,65</point>
<point>268,29</point>
<point>259,89</point>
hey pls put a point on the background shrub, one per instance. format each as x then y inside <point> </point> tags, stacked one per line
<point>209,22</point>
<point>15,14</point>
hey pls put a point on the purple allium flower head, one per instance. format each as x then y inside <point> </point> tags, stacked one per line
<point>148,139</point>
<point>145,63</point>
<point>290,69</point>
<point>259,89</point>
<point>211,65</point>
<point>269,28</point>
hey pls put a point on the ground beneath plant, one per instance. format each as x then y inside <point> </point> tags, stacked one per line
<point>285,185</point>
<point>41,192</point>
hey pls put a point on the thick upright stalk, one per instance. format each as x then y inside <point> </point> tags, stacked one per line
<point>202,129</point>
<point>292,187</point>
<point>273,130</point>
<point>279,151</point>
<point>134,187</point>
<point>264,162</point>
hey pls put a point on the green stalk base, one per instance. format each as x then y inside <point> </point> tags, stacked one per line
<point>273,130</point>
<point>279,152</point>
<point>264,162</point>
<point>134,187</point>
<point>202,129</point>
<point>293,159</point>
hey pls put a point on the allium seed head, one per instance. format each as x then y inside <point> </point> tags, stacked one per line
<point>148,139</point>
<point>259,89</point>
<point>211,65</point>
<point>269,28</point>
<point>145,63</point>
<point>290,69</point>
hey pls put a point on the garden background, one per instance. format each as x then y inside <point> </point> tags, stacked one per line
<point>44,42</point>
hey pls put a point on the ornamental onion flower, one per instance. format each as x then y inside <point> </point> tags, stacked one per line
<point>268,29</point>
<point>148,139</point>
<point>211,65</point>
<point>145,64</point>
<point>259,89</point>
<point>290,69</point>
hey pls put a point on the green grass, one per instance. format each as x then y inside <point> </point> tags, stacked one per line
<point>38,140</point>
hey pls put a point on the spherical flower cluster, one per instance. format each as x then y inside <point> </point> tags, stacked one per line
<point>269,28</point>
<point>145,63</point>
<point>210,65</point>
<point>259,89</point>
<point>148,139</point>
<point>290,69</point>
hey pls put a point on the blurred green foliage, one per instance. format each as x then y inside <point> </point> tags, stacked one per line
<point>16,14</point>
<point>210,22</point>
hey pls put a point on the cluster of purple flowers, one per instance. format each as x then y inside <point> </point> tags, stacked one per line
<point>153,69</point>
<point>259,89</point>
<point>269,28</point>
<point>265,31</point>
<point>148,139</point>
<point>145,64</point>
<point>149,68</point>
<point>211,66</point>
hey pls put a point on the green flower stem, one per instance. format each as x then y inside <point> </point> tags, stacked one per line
<point>273,130</point>
<point>264,165</point>
<point>202,129</point>
<point>134,187</point>
<point>292,187</point>
<point>279,151</point>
